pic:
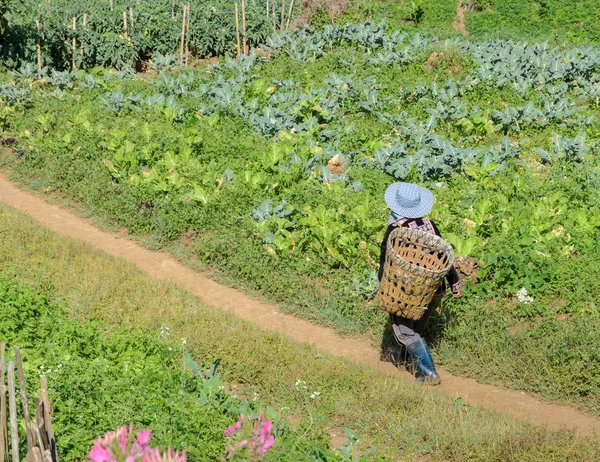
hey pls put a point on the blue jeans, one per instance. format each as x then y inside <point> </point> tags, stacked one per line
<point>407,331</point>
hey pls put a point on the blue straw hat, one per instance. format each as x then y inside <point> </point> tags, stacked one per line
<point>407,200</point>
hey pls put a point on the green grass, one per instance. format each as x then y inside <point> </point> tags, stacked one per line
<point>560,22</point>
<point>403,420</point>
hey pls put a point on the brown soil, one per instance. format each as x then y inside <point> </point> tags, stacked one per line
<point>442,60</point>
<point>459,21</point>
<point>516,404</point>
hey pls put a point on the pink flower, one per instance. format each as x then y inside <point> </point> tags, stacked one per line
<point>233,429</point>
<point>100,453</point>
<point>143,437</point>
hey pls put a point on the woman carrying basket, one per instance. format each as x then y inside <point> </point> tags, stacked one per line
<point>409,206</point>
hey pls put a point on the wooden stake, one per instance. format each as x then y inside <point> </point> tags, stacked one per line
<point>287,26</point>
<point>74,39</point>
<point>244,38</point>
<point>282,15</point>
<point>183,30</point>
<point>131,17</point>
<point>39,65</point>
<point>172,9</point>
<point>12,401</point>
<point>237,30</point>
<point>273,14</point>
<point>84,24</point>
<point>124,24</point>
<point>112,6</point>
<point>47,418</point>
<point>267,10</point>
<point>187,34</point>
<point>24,402</point>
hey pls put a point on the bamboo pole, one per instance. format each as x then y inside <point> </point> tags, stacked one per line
<point>244,38</point>
<point>183,30</point>
<point>172,9</point>
<point>39,59</point>
<point>187,35</point>
<point>24,402</point>
<point>237,30</point>
<point>84,24</point>
<point>3,404</point>
<point>112,6</point>
<point>131,18</point>
<point>12,401</point>
<point>47,418</point>
<point>74,39</point>
<point>125,24</point>
<point>282,15</point>
<point>291,10</point>
<point>274,14</point>
<point>267,10</point>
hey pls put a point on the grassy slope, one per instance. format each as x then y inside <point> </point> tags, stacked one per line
<point>405,419</point>
<point>557,21</point>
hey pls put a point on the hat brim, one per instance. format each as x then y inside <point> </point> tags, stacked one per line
<point>427,201</point>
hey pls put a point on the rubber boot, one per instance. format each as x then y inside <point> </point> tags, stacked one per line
<point>423,362</point>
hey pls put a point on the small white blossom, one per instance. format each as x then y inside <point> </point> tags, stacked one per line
<point>300,384</point>
<point>523,296</point>
<point>315,394</point>
<point>183,340</point>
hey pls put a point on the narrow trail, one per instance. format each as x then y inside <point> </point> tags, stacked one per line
<point>459,20</point>
<point>516,404</point>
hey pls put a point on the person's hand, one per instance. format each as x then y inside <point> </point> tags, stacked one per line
<point>457,293</point>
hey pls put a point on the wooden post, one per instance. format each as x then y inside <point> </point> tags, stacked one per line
<point>183,30</point>
<point>273,13</point>
<point>12,401</point>
<point>267,10</point>
<point>287,25</point>
<point>244,38</point>
<point>131,17</point>
<point>282,15</point>
<point>39,66</point>
<point>172,9</point>
<point>84,24</point>
<point>24,402</point>
<point>237,30</point>
<point>47,418</point>
<point>112,6</point>
<point>187,34</point>
<point>124,24</point>
<point>74,39</point>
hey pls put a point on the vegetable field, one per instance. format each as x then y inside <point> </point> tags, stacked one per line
<point>88,33</point>
<point>270,168</point>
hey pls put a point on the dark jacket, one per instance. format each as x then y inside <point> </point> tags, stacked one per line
<point>424,224</point>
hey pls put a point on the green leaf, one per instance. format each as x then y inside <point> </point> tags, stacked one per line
<point>189,362</point>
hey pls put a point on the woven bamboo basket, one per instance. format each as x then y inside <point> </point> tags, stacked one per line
<point>416,263</point>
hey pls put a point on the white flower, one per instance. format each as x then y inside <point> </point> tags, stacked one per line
<point>315,394</point>
<point>300,384</point>
<point>523,296</point>
<point>183,340</point>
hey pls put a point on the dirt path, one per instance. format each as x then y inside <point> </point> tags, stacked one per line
<point>459,20</point>
<point>162,266</point>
